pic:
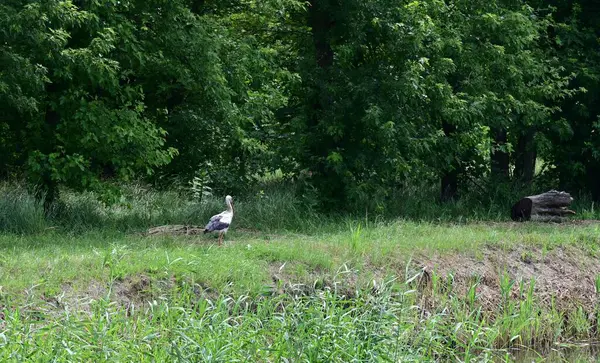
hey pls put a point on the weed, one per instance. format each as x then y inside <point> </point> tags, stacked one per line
<point>355,237</point>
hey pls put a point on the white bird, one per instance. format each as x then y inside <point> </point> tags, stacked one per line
<point>220,222</point>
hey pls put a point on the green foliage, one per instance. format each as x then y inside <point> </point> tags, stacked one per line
<point>357,100</point>
<point>83,119</point>
<point>575,142</point>
<point>384,82</point>
<point>96,89</point>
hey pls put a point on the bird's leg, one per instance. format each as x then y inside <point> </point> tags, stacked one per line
<point>220,238</point>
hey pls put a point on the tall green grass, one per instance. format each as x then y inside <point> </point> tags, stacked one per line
<point>389,323</point>
<point>19,210</point>
<point>276,207</point>
<point>142,207</point>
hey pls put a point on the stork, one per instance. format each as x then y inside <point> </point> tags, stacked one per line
<point>220,222</point>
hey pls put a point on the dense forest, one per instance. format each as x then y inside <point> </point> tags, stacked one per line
<point>350,100</point>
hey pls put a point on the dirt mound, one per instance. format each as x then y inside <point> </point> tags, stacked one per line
<point>564,276</point>
<point>175,230</point>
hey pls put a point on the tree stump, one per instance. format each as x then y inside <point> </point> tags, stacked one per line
<point>547,207</point>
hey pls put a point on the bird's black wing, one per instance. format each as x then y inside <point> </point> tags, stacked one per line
<point>215,224</point>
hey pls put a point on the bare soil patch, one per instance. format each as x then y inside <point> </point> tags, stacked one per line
<point>565,276</point>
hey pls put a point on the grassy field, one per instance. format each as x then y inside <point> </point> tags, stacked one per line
<point>356,294</point>
<point>88,285</point>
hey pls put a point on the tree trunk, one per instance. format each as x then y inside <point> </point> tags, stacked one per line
<point>197,6</point>
<point>321,22</point>
<point>592,173</point>
<point>321,25</point>
<point>547,207</point>
<point>449,181</point>
<point>46,186</point>
<point>500,158</point>
<point>525,159</point>
<point>449,186</point>
<point>50,194</point>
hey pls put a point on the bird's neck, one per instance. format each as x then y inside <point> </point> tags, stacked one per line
<point>229,208</point>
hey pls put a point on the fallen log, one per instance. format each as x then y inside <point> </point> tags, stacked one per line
<point>175,230</point>
<point>547,207</point>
